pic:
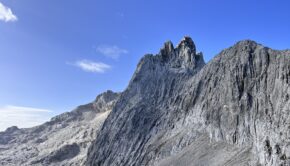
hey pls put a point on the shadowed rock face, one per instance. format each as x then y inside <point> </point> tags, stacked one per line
<point>62,141</point>
<point>177,110</point>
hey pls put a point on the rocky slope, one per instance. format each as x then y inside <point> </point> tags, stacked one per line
<point>177,110</point>
<point>62,141</point>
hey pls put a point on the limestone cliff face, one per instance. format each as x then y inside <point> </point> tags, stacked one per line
<point>62,141</point>
<point>245,100</point>
<point>177,110</point>
<point>142,110</point>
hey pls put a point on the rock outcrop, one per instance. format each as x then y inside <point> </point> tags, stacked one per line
<point>62,141</point>
<point>177,110</point>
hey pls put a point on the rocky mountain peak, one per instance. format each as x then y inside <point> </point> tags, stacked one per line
<point>107,96</point>
<point>64,140</point>
<point>176,110</point>
<point>180,59</point>
<point>244,45</point>
<point>12,129</point>
<point>183,56</point>
<point>187,43</point>
<point>246,42</point>
<point>179,111</point>
<point>167,48</point>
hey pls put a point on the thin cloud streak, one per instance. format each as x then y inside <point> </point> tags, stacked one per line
<point>6,14</point>
<point>26,109</point>
<point>113,52</point>
<point>91,66</point>
<point>23,117</point>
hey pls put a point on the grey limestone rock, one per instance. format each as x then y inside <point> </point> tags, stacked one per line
<point>62,141</point>
<point>177,110</point>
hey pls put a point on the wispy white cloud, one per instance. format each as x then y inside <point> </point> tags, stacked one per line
<point>113,52</point>
<point>23,116</point>
<point>91,66</point>
<point>6,14</point>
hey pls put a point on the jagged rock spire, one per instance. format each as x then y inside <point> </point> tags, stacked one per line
<point>187,43</point>
<point>183,56</point>
<point>167,49</point>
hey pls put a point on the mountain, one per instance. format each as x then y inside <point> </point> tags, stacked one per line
<point>176,111</point>
<point>62,141</point>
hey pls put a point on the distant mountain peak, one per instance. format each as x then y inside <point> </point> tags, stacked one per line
<point>12,129</point>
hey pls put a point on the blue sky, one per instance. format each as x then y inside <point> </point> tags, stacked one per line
<point>56,55</point>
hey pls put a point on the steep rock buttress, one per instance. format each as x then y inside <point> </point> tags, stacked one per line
<point>142,110</point>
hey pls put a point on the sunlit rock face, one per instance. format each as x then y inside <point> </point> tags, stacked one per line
<point>177,110</point>
<point>62,141</point>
